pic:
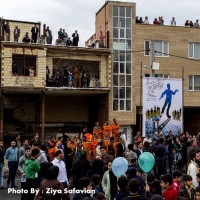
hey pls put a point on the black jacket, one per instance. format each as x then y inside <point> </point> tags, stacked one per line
<point>2,154</point>
<point>120,150</point>
<point>184,193</point>
<point>111,149</point>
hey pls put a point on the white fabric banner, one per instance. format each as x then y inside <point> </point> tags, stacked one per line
<point>162,106</point>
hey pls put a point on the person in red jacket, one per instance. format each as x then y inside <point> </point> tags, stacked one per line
<point>177,176</point>
<point>166,183</point>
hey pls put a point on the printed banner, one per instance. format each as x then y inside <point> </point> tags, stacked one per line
<point>162,106</point>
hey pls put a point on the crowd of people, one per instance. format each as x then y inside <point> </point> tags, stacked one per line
<point>189,23</point>
<point>71,77</point>
<point>160,21</point>
<point>97,43</point>
<point>84,162</point>
<point>63,38</point>
<point>157,21</point>
<point>47,37</point>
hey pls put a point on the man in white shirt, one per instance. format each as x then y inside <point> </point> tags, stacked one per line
<point>193,167</point>
<point>147,139</point>
<point>173,22</point>
<point>124,137</point>
<point>196,24</point>
<point>62,176</point>
<point>146,21</point>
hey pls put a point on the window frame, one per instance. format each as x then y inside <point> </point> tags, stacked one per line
<point>164,55</point>
<point>25,60</point>
<point>193,46</point>
<point>121,103</point>
<point>193,85</point>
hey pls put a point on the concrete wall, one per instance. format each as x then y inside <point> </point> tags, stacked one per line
<point>105,20</point>
<point>10,80</point>
<point>23,26</point>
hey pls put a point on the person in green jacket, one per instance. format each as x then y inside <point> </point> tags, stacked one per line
<point>32,167</point>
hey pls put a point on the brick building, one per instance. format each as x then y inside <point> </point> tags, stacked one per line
<point>28,103</point>
<point>129,43</point>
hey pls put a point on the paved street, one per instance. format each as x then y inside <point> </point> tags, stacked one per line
<point>4,193</point>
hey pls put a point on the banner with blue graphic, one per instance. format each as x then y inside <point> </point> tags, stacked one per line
<point>162,106</point>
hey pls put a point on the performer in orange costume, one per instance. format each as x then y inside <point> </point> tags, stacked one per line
<point>115,128</point>
<point>87,147</point>
<point>88,137</point>
<point>88,144</point>
<point>94,146</point>
<point>51,145</point>
<point>97,130</point>
<point>107,130</point>
<point>138,138</point>
<point>106,143</point>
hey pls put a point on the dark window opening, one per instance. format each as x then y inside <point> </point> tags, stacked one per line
<point>24,65</point>
<point>73,73</point>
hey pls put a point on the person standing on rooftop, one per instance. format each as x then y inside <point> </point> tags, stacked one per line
<point>173,22</point>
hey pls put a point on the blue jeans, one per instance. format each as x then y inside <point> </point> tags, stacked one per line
<point>1,174</point>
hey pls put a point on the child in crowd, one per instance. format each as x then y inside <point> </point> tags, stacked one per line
<point>122,184</point>
<point>166,183</point>
<point>154,185</point>
<point>197,193</point>
<point>70,78</point>
<point>177,176</point>
<point>187,190</point>
<point>173,159</point>
<point>198,178</point>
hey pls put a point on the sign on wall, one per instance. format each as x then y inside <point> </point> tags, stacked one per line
<point>162,105</point>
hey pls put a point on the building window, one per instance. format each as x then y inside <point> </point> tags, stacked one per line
<point>194,83</point>
<point>158,75</point>
<point>24,65</point>
<point>161,48</point>
<point>122,62</point>
<point>194,50</point>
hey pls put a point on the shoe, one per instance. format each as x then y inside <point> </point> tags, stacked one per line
<point>2,188</point>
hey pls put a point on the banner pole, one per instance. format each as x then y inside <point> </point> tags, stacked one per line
<point>183,98</point>
<point>141,99</point>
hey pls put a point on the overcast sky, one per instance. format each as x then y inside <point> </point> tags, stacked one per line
<point>80,14</point>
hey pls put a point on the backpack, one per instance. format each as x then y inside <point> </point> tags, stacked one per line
<point>160,151</point>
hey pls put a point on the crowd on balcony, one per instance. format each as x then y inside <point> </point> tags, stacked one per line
<point>75,77</point>
<point>23,70</point>
<point>63,38</point>
<point>47,37</point>
<point>160,21</point>
<point>97,43</point>
<point>189,23</point>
